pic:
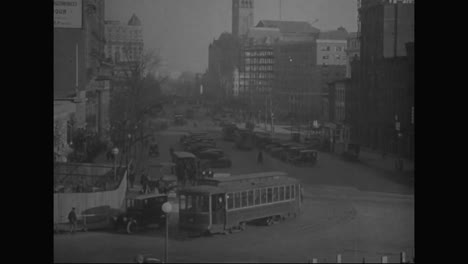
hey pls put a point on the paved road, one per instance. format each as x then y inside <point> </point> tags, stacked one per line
<point>348,208</point>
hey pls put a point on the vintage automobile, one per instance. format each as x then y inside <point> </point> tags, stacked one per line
<point>179,120</point>
<point>292,153</point>
<point>276,152</point>
<point>229,132</point>
<point>153,149</point>
<point>262,139</point>
<point>198,148</point>
<point>306,157</point>
<point>162,177</point>
<point>245,139</point>
<point>142,211</point>
<point>213,159</point>
<point>352,154</point>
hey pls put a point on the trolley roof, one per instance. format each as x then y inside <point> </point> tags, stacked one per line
<point>146,196</point>
<point>237,186</point>
<point>183,154</point>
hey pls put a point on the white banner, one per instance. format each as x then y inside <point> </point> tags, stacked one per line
<point>68,13</point>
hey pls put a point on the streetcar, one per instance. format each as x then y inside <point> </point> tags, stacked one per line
<point>225,205</point>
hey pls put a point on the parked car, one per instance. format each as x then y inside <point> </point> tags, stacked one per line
<point>306,157</point>
<point>213,159</point>
<point>153,150</point>
<point>352,154</point>
<point>196,148</point>
<point>142,211</point>
<point>276,152</point>
<point>292,153</point>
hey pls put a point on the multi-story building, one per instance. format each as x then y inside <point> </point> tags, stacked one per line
<point>223,58</point>
<point>384,90</point>
<point>352,51</point>
<point>124,42</point>
<point>242,17</point>
<point>256,68</point>
<point>331,62</point>
<point>79,58</point>
<point>292,30</point>
<point>297,91</point>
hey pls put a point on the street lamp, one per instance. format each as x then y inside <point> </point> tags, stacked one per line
<point>167,208</point>
<point>115,151</point>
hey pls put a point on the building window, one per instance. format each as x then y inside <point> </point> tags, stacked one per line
<point>287,196</point>
<point>325,57</point>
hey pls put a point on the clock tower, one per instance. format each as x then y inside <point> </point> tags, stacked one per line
<point>242,17</point>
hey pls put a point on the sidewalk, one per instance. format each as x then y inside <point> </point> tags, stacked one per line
<point>376,160</point>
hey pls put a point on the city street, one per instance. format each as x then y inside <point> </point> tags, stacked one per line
<point>349,209</point>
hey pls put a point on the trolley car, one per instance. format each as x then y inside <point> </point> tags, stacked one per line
<point>223,205</point>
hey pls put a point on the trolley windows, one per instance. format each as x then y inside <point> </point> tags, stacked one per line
<point>257,196</point>
<point>263,196</point>
<point>288,195</point>
<point>237,200</point>
<point>281,193</point>
<point>269,195</point>
<point>244,199</point>
<point>292,192</point>
<point>275,194</point>
<point>203,203</point>
<point>182,202</point>
<point>250,198</point>
<point>195,203</point>
<point>230,200</point>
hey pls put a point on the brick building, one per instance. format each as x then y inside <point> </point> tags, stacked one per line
<point>124,41</point>
<point>256,76</point>
<point>383,86</point>
<point>297,91</point>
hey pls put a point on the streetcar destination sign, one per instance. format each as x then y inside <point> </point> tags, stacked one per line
<point>67,13</point>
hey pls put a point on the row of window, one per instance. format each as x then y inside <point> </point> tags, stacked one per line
<point>259,68</point>
<point>261,75</point>
<point>260,61</point>
<point>260,196</point>
<point>195,203</point>
<point>328,48</point>
<point>258,53</point>
<point>338,57</point>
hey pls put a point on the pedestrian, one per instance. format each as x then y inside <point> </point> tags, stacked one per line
<point>144,182</point>
<point>260,157</point>
<point>132,178</point>
<point>171,152</point>
<point>73,220</point>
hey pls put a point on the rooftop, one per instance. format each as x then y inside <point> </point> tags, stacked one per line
<point>338,34</point>
<point>134,21</point>
<point>289,26</point>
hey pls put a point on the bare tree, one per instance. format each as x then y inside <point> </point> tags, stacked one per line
<point>138,94</point>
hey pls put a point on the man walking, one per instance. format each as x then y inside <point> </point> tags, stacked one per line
<point>131,176</point>
<point>73,220</point>
<point>260,157</point>
<point>144,183</point>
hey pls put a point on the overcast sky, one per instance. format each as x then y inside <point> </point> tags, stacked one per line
<point>183,29</point>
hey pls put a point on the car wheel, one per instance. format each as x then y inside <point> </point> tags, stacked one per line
<point>131,227</point>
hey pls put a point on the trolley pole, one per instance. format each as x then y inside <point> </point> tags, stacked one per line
<point>167,208</point>
<point>167,239</point>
